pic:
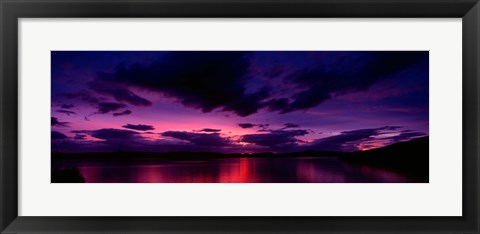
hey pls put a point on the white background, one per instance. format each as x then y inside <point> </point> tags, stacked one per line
<point>440,197</point>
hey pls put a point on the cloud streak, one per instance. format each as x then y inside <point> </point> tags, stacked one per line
<point>107,107</point>
<point>56,122</point>
<point>350,140</point>
<point>67,112</point>
<point>199,139</point>
<point>125,112</point>
<point>139,127</point>
<point>274,137</point>
<point>118,92</point>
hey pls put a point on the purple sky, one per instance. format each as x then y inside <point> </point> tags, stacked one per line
<point>237,101</point>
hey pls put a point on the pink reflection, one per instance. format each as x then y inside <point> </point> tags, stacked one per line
<point>309,172</point>
<point>236,170</point>
<point>238,173</point>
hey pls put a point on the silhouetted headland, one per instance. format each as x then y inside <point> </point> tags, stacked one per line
<point>410,158</point>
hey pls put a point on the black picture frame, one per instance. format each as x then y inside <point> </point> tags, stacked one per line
<point>12,10</point>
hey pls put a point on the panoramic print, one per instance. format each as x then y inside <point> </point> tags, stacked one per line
<point>239,116</point>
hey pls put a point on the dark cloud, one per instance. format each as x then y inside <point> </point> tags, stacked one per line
<point>139,127</point>
<point>67,106</point>
<point>118,141</point>
<point>109,133</point>
<point>246,125</point>
<point>112,140</point>
<point>274,137</point>
<point>404,136</point>
<point>66,112</point>
<point>83,95</point>
<point>391,128</point>
<point>291,125</point>
<point>204,80</point>
<point>121,94</point>
<point>80,136</point>
<point>58,135</point>
<point>125,112</point>
<point>306,99</point>
<point>210,130</point>
<point>200,139</point>
<point>274,71</point>
<point>277,104</point>
<point>250,125</point>
<point>351,73</point>
<point>107,107</point>
<point>347,140</point>
<point>263,125</point>
<point>249,103</point>
<point>242,82</point>
<point>56,122</point>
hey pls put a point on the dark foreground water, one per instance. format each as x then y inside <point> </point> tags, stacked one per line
<point>230,170</point>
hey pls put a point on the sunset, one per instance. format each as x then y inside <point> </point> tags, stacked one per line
<point>237,102</point>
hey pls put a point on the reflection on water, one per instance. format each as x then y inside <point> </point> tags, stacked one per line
<point>229,170</point>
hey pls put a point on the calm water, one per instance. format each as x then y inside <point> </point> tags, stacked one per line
<point>230,170</point>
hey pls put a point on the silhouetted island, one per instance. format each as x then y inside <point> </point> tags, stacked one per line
<point>67,175</point>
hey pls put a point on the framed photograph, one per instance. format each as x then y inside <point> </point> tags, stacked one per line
<point>239,116</point>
